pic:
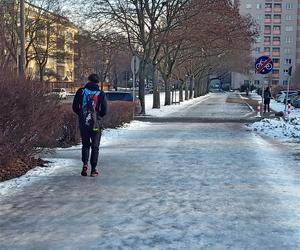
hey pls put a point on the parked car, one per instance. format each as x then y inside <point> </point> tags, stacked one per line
<point>281,96</point>
<point>61,93</point>
<point>124,96</point>
<point>295,101</point>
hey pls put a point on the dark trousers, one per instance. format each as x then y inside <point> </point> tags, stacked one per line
<point>267,105</point>
<point>91,140</point>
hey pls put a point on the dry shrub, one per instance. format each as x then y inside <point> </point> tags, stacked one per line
<point>70,134</point>
<point>119,112</point>
<point>29,117</point>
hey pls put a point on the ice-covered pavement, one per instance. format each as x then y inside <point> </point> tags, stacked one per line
<point>199,186</point>
<point>163,186</point>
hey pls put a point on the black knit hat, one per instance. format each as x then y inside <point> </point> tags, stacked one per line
<point>94,78</point>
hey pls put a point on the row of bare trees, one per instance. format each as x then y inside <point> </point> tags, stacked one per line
<point>182,39</point>
<point>186,40</point>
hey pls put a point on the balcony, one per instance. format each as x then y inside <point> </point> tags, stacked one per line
<point>268,20</point>
<point>275,75</point>
<point>276,32</point>
<point>277,10</point>
<point>276,54</point>
<point>267,43</point>
<point>266,53</point>
<point>276,65</point>
<point>267,32</point>
<point>277,21</point>
<point>276,43</point>
<point>268,9</point>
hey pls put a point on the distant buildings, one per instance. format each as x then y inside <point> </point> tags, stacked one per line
<point>279,37</point>
<point>50,42</point>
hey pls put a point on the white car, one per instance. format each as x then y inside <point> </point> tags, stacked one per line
<point>61,93</point>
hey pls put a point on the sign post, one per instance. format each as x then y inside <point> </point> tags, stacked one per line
<point>135,66</point>
<point>288,90</point>
<point>263,65</point>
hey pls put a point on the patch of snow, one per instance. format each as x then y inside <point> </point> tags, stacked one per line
<point>278,128</point>
<point>166,110</point>
<point>14,185</point>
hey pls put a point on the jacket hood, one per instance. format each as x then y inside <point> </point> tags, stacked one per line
<point>92,86</point>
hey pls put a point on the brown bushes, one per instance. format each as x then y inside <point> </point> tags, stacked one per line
<point>119,112</point>
<point>31,120</point>
<point>28,117</point>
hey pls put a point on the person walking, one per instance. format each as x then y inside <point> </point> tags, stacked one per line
<point>90,105</point>
<point>267,99</point>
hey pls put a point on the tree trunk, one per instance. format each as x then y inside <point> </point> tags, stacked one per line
<point>41,73</point>
<point>181,91</point>
<point>156,94</point>
<point>196,87</point>
<point>167,91</point>
<point>191,86</point>
<point>186,90</point>
<point>142,87</point>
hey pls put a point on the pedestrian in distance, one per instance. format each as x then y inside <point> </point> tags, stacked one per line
<point>90,105</point>
<point>267,99</point>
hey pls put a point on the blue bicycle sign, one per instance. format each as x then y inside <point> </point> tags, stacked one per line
<point>263,65</point>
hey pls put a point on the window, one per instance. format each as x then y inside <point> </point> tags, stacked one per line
<point>289,39</point>
<point>277,16</point>
<point>285,82</point>
<point>248,6</point>
<point>275,82</point>
<point>268,16</point>
<point>277,28</point>
<point>257,50</point>
<point>258,6</point>
<point>259,17</point>
<point>288,17</point>
<point>267,49</point>
<point>289,28</point>
<point>286,71</point>
<point>276,60</point>
<point>288,61</point>
<point>277,5</point>
<point>268,6</point>
<point>287,51</point>
<point>275,71</point>
<point>289,6</point>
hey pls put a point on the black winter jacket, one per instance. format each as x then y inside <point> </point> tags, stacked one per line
<point>78,99</point>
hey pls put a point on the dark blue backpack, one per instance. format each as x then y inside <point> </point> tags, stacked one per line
<point>89,105</point>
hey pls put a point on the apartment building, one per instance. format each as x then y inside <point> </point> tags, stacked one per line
<point>278,23</point>
<point>49,42</point>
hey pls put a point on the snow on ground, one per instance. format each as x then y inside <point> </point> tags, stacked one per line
<point>278,128</point>
<point>35,174</point>
<point>165,110</point>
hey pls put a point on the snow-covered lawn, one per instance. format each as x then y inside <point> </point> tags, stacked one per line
<point>277,127</point>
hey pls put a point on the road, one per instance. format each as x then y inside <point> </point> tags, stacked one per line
<point>166,185</point>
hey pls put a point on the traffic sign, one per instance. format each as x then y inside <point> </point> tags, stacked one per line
<point>135,64</point>
<point>263,65</point>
